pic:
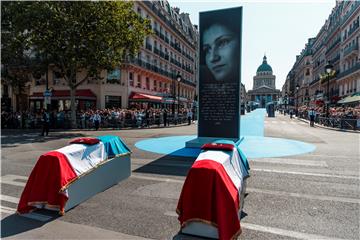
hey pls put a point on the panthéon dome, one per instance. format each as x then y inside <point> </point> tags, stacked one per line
<point>264,67</point>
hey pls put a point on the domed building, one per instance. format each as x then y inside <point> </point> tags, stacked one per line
<point>264,90</point>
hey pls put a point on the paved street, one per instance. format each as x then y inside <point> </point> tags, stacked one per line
<point>309,196</point>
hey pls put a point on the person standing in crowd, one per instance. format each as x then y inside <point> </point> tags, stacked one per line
<point>165,116</point>
<point>46,122</point>
<point>312,117</point>
<point>189,116</point>
<point>97,120</point>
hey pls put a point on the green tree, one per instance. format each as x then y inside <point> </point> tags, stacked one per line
<point>77,36</point>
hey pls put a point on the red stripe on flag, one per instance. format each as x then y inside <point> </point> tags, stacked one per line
<point>51,173</point>
<point>209,196</point>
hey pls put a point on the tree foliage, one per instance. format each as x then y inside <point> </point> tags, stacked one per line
<point>75,36</point>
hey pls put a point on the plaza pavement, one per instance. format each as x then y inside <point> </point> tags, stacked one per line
<point>309,196</point>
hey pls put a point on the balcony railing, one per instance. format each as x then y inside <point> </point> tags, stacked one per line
<point>148,46</point>
<point>355,6</point>
<point>155,69</point>
<point>333,45</point>
<point>350,49</point>
<point>349,71</point>
<point>156,51</point>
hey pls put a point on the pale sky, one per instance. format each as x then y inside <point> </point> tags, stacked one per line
<point>280,29</point>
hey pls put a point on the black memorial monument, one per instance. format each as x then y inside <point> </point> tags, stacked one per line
<point>219,76</point>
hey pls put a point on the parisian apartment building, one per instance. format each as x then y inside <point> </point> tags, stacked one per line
<point>162,75</point>
<point>337,44</point>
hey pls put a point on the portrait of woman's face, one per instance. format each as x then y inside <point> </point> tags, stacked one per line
<point>221,50</point>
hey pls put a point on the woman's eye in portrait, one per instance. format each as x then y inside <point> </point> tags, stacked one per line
<point>223,42</point>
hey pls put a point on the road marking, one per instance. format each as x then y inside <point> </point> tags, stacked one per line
<point>305,173</point>
<point>7,210</point>
<point>276,231</point>
<point>284,232</point>
<point>278,193</point>
<point>32,215</point>
<point>291,161</point>
<point>157,178</point>
<point>171,214</point>
<point>9,199</point>
<point>11,179</point>
<point>307,196</point>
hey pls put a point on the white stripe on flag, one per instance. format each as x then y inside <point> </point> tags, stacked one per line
<point>84,157</point>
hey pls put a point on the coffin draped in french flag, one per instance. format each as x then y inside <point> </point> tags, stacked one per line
<point>65,177</point>
<point>212,196</point>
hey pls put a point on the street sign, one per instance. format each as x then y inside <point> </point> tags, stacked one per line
<point>47,93</point>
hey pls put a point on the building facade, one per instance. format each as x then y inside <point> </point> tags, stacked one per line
<point>337,43</point>
<point>147,80</point>
<point>264,89</point>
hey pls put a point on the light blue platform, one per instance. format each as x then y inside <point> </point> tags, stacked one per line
<point>254,145</point>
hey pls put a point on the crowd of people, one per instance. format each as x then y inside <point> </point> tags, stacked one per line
<point>339,116</point>
<point>334,112</point>
<point>98,118</point>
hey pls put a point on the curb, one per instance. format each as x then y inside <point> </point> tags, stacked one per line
<point>329,128</point>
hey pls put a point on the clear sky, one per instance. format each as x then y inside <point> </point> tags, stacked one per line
<point>280,29</point>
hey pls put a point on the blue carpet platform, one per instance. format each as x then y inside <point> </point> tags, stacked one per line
<point>254,144</point>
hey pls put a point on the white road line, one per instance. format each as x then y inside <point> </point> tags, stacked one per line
<point>11,179</point>
<point>9,199</point>
<point>7,210</point>
<point>32,215</point>
<point>277,193</point>
<point>157,178</point>
<point>272,230</point>
<point>305,173</point>
<point>283,232</point>
<point>171,214</point>
<point>291,161</point>
<point>307,196</point>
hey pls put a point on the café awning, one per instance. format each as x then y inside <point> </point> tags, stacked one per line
<point>350,99</point>
<point>85,94</point>
<point>135,96</point>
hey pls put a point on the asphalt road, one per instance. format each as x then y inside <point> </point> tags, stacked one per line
<point>309,196</point>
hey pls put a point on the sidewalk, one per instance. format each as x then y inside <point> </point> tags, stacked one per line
<point>31,130</point>
<point>326,127</point>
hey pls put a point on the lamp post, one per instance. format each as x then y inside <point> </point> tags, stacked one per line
<point>297,98</point>
<point>178,78</point>
<point>328,70</point>
<point>286,98</point>
<point>173,96</point>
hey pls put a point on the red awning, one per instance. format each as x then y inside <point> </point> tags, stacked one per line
<point>134,96</point>
<point>86,94</point>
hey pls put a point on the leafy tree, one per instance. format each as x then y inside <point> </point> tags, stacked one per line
<point>77,36</point>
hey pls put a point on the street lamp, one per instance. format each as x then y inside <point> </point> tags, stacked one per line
<point>286,98</point>
<point>328,70</point>
<point>173,95</point>
<point>178,78</point>
<point>297,96</point>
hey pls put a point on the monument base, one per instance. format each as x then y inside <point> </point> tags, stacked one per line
<point>199,141</point>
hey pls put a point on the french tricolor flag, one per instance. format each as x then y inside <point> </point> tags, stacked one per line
<point>56,170</point>
<point>211,191</point>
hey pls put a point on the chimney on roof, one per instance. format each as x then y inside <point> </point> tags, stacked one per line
<point>177,10</point>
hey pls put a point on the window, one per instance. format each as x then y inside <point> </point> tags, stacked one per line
<point>131,79</point>
<point>147,83</point>
<point>155,85</point>
<point>112,101</point>
<point>113,77</point>
<point>139,82</point>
